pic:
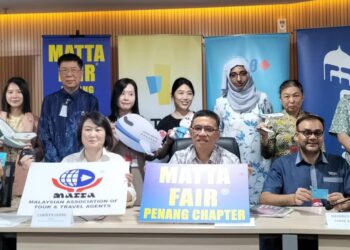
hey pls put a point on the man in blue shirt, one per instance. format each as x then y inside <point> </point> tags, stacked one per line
<point>292,178</point>
<point>61,111</point>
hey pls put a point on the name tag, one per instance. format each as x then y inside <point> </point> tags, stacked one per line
<point>338,220</point>
<point>52,218</point>
<point>333,179</point>
<point>320,193</point>
<point>63,112</point>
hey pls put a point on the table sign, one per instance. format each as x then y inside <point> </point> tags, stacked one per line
<point>201,193</point>
<point>52,218</point>
<point>338,220</point>
<point>88,188</point>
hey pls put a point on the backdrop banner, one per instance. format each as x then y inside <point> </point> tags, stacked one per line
<point>268,56</point>
<point>95,53</point>
<point>324,71</point>
<point>155,62</point>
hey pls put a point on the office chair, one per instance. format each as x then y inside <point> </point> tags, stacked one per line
<point>228,143</point>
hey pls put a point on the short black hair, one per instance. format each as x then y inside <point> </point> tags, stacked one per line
<point>70,57</point>
<point>206,113</point>
<point>117,91</point>
<point>23,86</point>
<point>179,82</point>
<point>308,117</point>
<point>101,121</point>
<point>291,83</point>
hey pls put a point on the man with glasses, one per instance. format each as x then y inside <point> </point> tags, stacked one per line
<point>204,132</point>
<point>61,111</point>
<point>308,177</point>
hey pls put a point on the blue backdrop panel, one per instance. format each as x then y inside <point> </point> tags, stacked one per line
<point>324,70</point>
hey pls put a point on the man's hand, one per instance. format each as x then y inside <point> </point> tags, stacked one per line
<point>336,197</point>
<point>302,195</point>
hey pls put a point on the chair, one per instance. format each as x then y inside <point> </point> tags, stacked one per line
<point>228,143</point>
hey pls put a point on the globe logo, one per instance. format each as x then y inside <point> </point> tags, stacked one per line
<point>77,178</point>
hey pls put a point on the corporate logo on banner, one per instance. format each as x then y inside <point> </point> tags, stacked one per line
<point>324,71</point>
<point>202,193</point>
<point>95,53</point>
<point>268,56</point>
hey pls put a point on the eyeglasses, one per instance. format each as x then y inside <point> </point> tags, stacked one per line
<point>66,71</point>
<point>308,133</point>
<point>241,74</point>
<point>207,129</point>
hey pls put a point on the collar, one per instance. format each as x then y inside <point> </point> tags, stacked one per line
<point>300,161</point>
<point>212,157</point>
<point>72,95</point>
<point>104,157</point>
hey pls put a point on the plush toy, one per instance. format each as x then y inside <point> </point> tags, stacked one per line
<point>137,133</point>
<point>182,131</point>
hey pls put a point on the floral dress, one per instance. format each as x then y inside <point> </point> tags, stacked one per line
<point>242,126</point>
<point>341,121</point>
<point>281,141</point>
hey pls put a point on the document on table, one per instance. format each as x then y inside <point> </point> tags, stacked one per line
<point>11,220</point>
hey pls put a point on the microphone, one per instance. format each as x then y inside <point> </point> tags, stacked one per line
<point>329,206</point>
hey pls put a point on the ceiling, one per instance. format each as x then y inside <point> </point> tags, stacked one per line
<point>44,6</point>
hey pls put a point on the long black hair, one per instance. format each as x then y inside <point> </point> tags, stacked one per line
<point>118,89</point>
<point>23,86</point>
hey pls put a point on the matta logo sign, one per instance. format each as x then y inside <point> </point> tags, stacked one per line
<point>76,180</point>
<point>336,66</point>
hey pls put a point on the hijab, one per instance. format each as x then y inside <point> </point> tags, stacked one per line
<point>243,100</point>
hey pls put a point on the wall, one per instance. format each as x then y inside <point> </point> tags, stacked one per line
<point>20,34</point>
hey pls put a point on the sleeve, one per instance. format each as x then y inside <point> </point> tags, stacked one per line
<point>174,159</point>
<point>274,180</point>
<point>340,121</point>
<point>346,179</point>
<point>45,135</point>
<point>94,104</point>
<point>132,192</point>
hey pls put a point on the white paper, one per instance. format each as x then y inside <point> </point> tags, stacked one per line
<point>88,188</point>
<point>52,218</point>
<point>338,220</point>
<point>251,223</point>
<point>11,220</point>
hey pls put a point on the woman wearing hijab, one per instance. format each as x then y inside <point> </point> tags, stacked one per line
<point>239,110</point>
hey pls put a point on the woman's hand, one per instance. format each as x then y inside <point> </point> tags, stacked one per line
<point>129,178</point>
<point>264,134</point>
<point>26,161</point>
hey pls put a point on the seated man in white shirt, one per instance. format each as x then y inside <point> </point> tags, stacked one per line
<point>205,133</point>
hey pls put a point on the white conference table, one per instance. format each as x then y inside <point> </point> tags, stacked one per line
<point>125,232</point>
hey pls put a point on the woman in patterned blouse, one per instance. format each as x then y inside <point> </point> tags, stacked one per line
<point>239,109</point>
<point>280,141</point>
